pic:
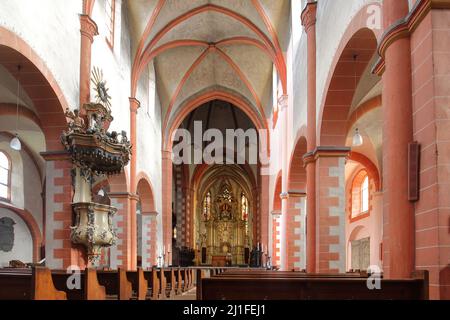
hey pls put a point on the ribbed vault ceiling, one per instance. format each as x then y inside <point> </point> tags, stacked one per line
<point>201,44</point>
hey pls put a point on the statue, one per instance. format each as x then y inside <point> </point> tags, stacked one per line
<point>77,122</point>
<point>226,212</point>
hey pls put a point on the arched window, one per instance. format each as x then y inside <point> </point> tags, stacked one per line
<point>365,195</point>
<point>360,194</point>
<point>5,177</point>
<point>110,21</point>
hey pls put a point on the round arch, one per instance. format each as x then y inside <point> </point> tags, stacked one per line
<point>339,89</point>
<point>51,105</point>
<point>206,97</point>
<point>145,192</point>
<point>33,227</point>
<point>297,172</point>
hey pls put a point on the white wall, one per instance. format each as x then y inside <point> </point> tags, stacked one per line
<point>23,243</point>
<point>26,186</point>
<point>52,29</point>
<point>116,65</point>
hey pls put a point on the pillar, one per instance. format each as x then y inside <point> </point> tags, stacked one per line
<point>61,253</point>
<point>330,236</point>
<point>134,107</point>
<point>264,207</point>
<point>397,134</point>
<point>167,201</point>
<point>296,231</point>
<point>149,234</point>
<point>88,31</point>
<point>283,107</point>
<point>120,254</point>
<point>309,22</point>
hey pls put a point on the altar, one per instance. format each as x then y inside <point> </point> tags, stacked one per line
<point>219,261</point>
<point>224,225</point>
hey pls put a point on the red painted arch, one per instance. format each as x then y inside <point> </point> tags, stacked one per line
<point>339,89</point>
<point>205,98</point>
<point>43,89</point>
<point>197,62</point>
<point>145,191</point>
<point>244,79</point>
<point>180,86</point>
<point>279,52</point>
<point>370,167</point>
<point>140,47</point>
<point>297,171</point>
<point>363,109</point>
<point>10,109</point>
<point>276,196</point>
<point>140,64</point>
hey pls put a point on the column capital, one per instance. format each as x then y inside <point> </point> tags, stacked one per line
<point>403,28</point>
<point>150,214</point>
<point>283,101</point>
<point>326,152</point>
<point>309,15</point>
<point>61,155</point>
<point>135,104</point>
<point>124,195</point>
<point>89,28</point>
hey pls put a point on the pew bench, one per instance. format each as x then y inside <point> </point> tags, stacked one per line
<point>29,284</point>
<point>312,288</point>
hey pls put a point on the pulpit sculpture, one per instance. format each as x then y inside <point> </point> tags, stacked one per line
<point>95,153</point>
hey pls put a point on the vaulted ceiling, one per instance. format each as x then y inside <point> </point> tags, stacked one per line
<point>201,45</point>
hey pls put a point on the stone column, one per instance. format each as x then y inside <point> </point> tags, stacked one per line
<point>330,248</point>
<point>121,253</point>
<point>88,31</point>
<point>149,239</point>
<point>309,22</point>
<point>134,107</point>
<point>264,207</point>
<point>167,199</point>
<point>60,252</point>
<point>397,134</point>
<point>283,107</point>
<point>295,230</point>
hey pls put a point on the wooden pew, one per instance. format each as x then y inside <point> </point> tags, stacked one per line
<point>286,274</point>
<point>153,283</point>
<point>179,289</point>
<point>162,284</point>
<point>35,284</point>
<point>139,283</point>
<point>169,275</point>
<point>116,284</point>
<point>90,288</point>
<point>201,274</point>
<point>313,288</point>
<point>186,280</point>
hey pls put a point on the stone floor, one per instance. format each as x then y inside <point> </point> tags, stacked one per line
<point>190,295</point>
